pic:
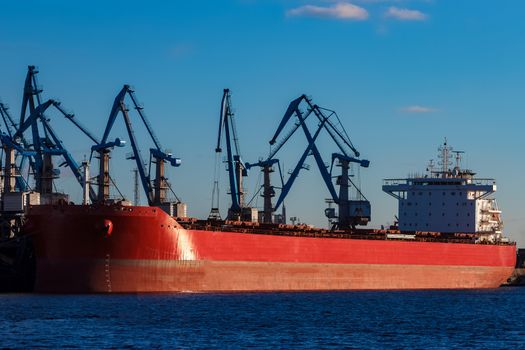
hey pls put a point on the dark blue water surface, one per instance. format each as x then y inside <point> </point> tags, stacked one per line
<point>401,319</point>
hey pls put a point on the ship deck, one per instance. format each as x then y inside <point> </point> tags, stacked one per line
<point>309,231</point>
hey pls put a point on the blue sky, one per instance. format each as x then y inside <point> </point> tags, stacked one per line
<point>402,75</point>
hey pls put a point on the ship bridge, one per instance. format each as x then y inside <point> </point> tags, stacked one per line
<point>446,200</point>
<point>476,188</point>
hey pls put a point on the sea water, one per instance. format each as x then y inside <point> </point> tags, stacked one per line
<point>485,319</point>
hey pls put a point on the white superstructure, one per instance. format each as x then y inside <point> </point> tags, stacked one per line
<point>447,200</point>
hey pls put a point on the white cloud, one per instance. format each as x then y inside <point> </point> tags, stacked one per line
<point>405,14</point>
<point>340,10</point>
<point>418,109</point>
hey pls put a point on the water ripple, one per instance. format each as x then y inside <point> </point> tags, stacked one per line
<point>483,319</point>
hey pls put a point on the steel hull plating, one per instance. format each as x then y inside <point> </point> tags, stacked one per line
<point>145,250</point>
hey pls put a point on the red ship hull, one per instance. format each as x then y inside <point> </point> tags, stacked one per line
<point>145,250</point>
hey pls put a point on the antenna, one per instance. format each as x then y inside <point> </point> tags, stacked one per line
<point>445,156</point>
<point>458,158</point>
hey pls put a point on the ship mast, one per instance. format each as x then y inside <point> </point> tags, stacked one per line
<point>445,158</point>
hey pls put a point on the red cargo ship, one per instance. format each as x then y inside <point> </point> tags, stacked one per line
<point>449,235</point>
<point>449,232</point>
<point>142,249</point>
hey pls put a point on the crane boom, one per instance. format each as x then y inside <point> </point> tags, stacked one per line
<point>236,168</point>
<point>145,179</point>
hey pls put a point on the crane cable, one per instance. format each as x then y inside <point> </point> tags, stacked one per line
<point>260,187</point>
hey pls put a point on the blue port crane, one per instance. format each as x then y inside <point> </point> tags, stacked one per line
<point>45,144</point>
<point>235,166</point>
<point>31,99</point>
<point>51,145</point>
<point>155,189</point>
<point>9,122</point>
<point>351,212</point>
<point>268,190</point>
<point>8,145</point>
<point>12,149</point>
